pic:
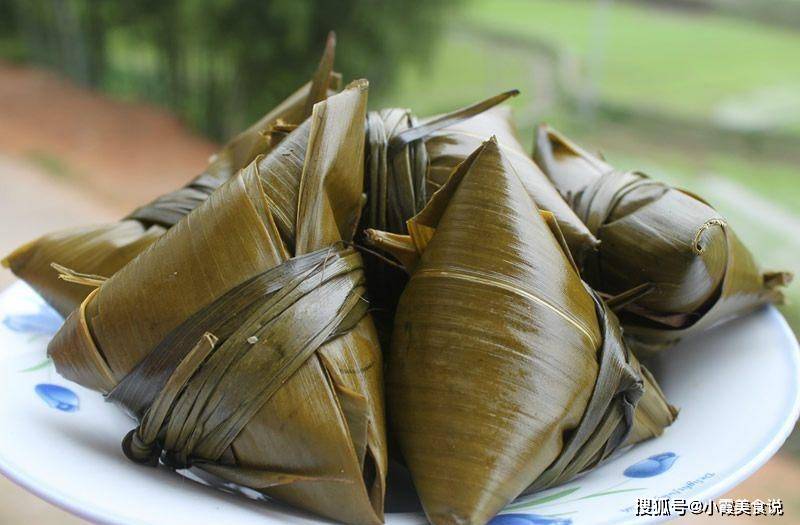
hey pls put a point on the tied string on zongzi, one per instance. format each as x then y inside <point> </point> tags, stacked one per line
<point>409,159</point>
<point>246,350</point>
<point>398,162</point>
<point>692,269</point>
<point>596,204</point>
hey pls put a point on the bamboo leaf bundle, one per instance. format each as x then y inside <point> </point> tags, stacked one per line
<point>240,338</point>
<point>507,374</point>
<point>408,160</point>
<point>655,237</point>
<point>101,250</point>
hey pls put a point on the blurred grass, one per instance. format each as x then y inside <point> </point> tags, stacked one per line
<point>51,164</point>
<point>685,62</point>
<point>460,72</point>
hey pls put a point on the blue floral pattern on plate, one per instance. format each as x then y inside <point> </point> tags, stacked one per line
<point>652,466</point>
<point>646,468</point>
<point>46,321</point>
<point>58,397</point>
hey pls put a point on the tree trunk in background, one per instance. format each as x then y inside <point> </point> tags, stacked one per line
<point>71,39</point>
<point>96,42</point>
<point>219,64</point>
<point>169,43</point>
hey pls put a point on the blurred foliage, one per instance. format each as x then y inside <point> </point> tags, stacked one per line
<point>218,63</point>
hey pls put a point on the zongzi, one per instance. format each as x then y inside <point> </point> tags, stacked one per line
<point>408,160</point>
<point>240,338</point>
<point>664,241</point>
<point>506,374</point>
<point>101,250</point>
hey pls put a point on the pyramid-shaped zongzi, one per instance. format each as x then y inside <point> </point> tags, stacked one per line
<point>506,374</point>
<point>246,352</point>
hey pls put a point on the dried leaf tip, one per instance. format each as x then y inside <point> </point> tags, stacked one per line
<point>71,276</point>
<point>551,145</point>
<point>328,55</point>
<point>322,77</point>
<point>362,84</point>
<point>401,247</point>
<point>330,41</point>
<point>778,279</point>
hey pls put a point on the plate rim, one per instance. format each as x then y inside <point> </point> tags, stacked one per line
<point>784,430</point>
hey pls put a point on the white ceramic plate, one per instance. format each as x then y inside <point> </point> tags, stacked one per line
<point>737,386</point>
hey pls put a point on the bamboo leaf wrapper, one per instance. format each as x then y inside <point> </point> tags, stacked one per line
<point>699,271</point>
<point>244,350</point>
<point>507,374</point>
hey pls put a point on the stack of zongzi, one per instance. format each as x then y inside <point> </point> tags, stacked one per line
<point>101,250</point>
<point>241,339</point>
<point>667,242</point>
<point>231,317</point>
<point>506,373</point>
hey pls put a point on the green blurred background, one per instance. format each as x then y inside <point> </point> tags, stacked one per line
<point>702,93</point>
